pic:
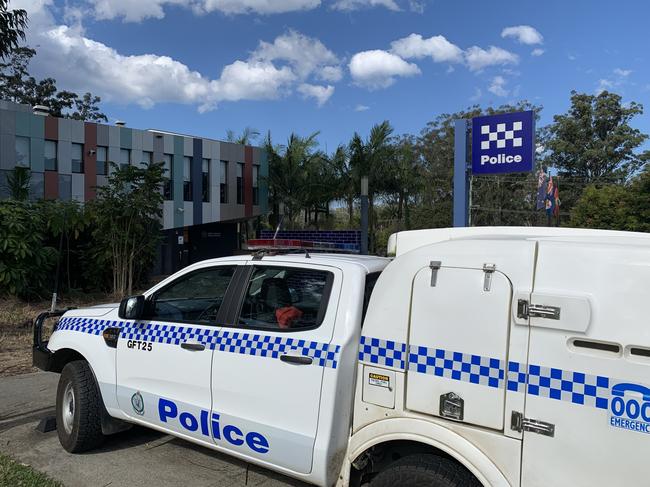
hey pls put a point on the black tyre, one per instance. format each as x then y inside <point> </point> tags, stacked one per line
<point>78,408</point>
<point>424,471</point>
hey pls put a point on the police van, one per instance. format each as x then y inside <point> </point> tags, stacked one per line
<point>478,356</point>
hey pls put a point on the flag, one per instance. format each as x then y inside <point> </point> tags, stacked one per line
<point>541,189</point>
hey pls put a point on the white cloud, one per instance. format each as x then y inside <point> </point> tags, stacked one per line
<point>138,10</point>
<point>524,34</point>
<point>624,73</point>
<point>378,69</point>
<point>361,108</point>
<point>497,87</point>
<point>478,58</point>
<point>80,64</point>
<point>330,73</point>
<point>417,6</point>
<point>436,47</point>
<point>320,93</point>
<point>477,95</point>
<point>537,52</point>
<point>304,54</point>
<point>348,5</point>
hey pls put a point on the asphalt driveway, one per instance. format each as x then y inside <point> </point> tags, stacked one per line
<point>138,457</point>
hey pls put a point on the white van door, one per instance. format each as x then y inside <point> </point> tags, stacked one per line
<point>164,361</point>
<point>268,366</point>
<point>458,344</point>
<point>587,410</point>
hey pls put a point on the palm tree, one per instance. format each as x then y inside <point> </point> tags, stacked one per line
<point>372,158</point>
<point>247,137</point>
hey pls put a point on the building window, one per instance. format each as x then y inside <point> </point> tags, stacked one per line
<point>147,158</point>
<point>77,158</point>
<point>102,160</point>
<point>256,189</point>
<point>205,179</point>
<point>50,156</point>
<point>223,181</point>
<point>168,186</point>
<point>125,157</point>
<point>187,179</point>
<point>240,183</point>
<point>22,152</point>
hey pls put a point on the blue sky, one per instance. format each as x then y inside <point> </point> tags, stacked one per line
<point>205,66</point>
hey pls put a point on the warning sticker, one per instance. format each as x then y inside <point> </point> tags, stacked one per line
<point>379,380</point>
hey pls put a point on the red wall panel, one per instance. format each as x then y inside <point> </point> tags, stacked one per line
<point>51,189</point>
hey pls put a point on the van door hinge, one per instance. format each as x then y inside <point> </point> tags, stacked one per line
<point>519,423</point>
<point>489,271</point>
<point>434,265</point>
<point>525,311</point>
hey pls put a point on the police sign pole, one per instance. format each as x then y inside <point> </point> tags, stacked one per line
<point>501,144</point>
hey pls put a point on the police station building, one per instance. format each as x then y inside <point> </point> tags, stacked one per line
<point>213,187</point>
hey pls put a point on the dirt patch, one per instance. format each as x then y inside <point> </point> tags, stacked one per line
<point>16,319</point>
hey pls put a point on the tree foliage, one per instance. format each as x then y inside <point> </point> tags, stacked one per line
<point>126,222</point>
<point>12,28</point>
<point>18,183</point>
<point>17,85</point>
<point>25,262</point>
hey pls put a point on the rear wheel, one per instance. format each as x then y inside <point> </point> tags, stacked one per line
<point>424,471</point>
<point>78,408</point>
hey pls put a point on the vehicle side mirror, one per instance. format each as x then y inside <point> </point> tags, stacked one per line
<point>131,308</point>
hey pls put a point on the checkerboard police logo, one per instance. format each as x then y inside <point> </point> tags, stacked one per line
<point>503,143</point>
<point>138,403</point>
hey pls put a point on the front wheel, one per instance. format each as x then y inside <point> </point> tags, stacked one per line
<point>78,408</point>
<point>424,471</point>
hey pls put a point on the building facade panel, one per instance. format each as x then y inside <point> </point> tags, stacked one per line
<point>7,122</point>
<point>23,127</point>
<point>77,188</point>
<point>147,141</point>
<point>77,130</point>
<point>102,135</point>
<point>65,187</point>
<point>7,151</point>
<point>113,136</point>
<point>90,160</point>
<point>64,155</point>
<point>37,154</point>
<point>248,180</point>
<point>197,178</point>
<point>65,130</point>
<point>126,138</point>
<point>37,126</point>
<point>36,186</point>
<point>215,179</point>
<point>51,185</point>
<point>178,149</point>
<point>51,128</point>
<point>188,214</point>
<point>169,144</point>
<point>188,147</point>
<point>168,214</point>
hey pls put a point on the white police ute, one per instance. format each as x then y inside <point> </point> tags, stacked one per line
<point>478,356</point>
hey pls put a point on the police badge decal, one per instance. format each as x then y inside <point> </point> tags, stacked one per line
<point>138,403</point>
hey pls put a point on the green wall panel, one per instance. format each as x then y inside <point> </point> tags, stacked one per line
<point>37,126</point>
<point>22,124</point>
<point>126,138</point>
<point>37,149</point>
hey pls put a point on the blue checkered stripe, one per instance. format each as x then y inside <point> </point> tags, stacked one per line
<point>457,366</point>
<point>85,325</point>
<point>382,352</point>
<point>324,354</point>
<point>562,385</point>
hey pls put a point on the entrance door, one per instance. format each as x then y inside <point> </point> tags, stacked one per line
<point>268,368</point>
<point>458,344</point>
<point>163,362</point>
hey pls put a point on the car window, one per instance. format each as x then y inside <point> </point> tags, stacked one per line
<point>194,297</point>
<point>285,298</point>
<point>371,280</point>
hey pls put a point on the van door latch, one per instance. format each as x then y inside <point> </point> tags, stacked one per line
<point>434,265</point>
<point>487,280</point>
<point>519,423</point>
<point>525,311</point>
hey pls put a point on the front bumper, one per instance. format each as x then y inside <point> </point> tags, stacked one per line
<point>43,357</point>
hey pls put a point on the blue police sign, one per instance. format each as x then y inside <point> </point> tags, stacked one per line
<point>503,143</point>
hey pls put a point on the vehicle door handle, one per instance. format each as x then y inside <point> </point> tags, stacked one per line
<point>296,359</point>
<point>195,347</point>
